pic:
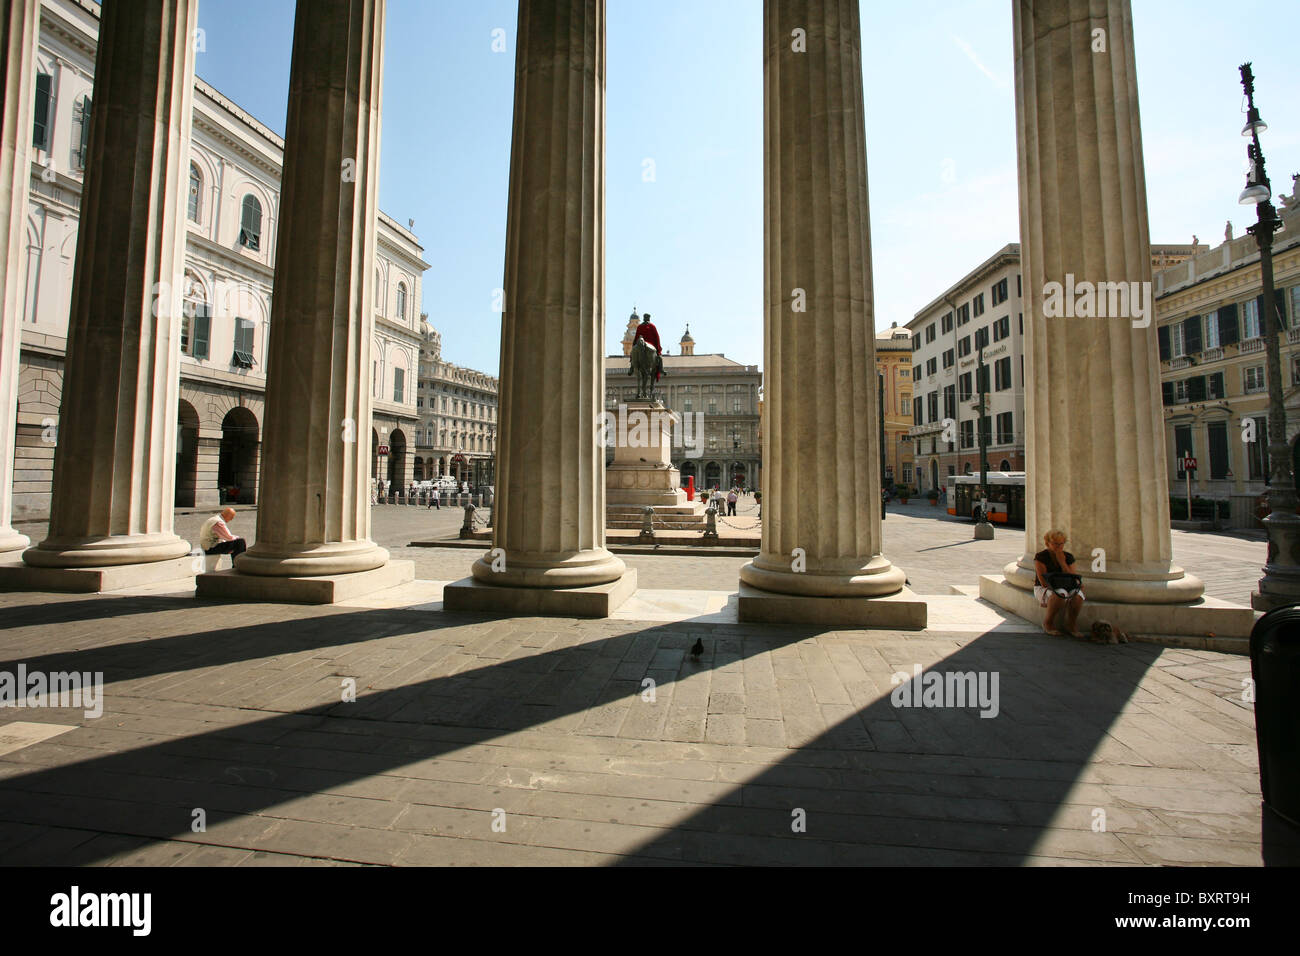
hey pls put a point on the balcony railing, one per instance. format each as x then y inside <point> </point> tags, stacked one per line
<point>1251,345</point>
<point>1212,355</point>
<point>1181,362</point>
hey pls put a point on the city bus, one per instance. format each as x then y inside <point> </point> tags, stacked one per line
<point>1006,494</point>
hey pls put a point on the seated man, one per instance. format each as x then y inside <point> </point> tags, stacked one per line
<point>215,538</point>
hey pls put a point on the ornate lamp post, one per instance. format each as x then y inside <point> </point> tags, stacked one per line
<point>1280,585</point>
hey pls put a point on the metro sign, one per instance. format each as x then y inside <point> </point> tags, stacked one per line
<point>383,449</point>
<point>1189,464</point>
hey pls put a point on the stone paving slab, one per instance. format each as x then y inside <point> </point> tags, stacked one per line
<point>533,741</point>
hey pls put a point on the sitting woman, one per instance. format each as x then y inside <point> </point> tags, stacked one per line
<point>1058,585</point>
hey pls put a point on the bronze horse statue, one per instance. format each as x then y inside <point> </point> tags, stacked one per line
<point>645,363</point>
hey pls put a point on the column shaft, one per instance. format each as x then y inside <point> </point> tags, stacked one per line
<point>114,467</point>
<point>18,30</point>
<point>313,515</point>
<point>550,471</point>
<point>820,428</point>
<point>1095,451</point>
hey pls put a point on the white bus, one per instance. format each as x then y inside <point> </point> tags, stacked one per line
<point>1006,497</point>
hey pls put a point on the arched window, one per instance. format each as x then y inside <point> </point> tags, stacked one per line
<point>81,132</point>
<point>401,301</point>
<point>196,192</point>
<point>250,223</point>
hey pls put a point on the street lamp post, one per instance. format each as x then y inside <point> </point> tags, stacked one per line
<point>983,528</point>
<point>1280,585</point>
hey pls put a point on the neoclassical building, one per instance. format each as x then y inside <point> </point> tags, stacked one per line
<point>231,217</point>
<point>722,447</point>
<point>1212,365</point>
<point>458,417</point>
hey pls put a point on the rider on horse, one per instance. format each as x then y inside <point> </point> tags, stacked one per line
<point>648,332</point>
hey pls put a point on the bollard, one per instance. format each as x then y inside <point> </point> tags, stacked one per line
<point>1275,671</point>
<point>467,529</point>
<point>647,524</point>
<point>711,524</point>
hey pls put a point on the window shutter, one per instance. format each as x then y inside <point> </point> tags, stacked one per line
<point>202,327</point>
<point>1167,393</point>
<point>1216,385</point>
<point>1280,299</point>
<point>1229,332</point>
<point>1163,335</point>
<point>1196,389</point>
<point>41,114</point>
<point>83,148</point>
<point>1218,436</point>
<point>1192,335</point>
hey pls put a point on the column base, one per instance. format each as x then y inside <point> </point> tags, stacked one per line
<point>1118,586</point>
<point>109,551</point>
<point>11,540</point>
<point>505,600</point>
<point>325,560</point>
<point>313,589</point>
<point>23,577</point>
<point>900,611</point>
<point>877,578</point>
<point>577,569</point>
<point>1206,623</point>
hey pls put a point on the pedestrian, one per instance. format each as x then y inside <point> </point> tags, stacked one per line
<point>1058,586</point>
<point>215,536</point>
<point>758,500</point>
<point>732,495</point>
<point>433,497</point>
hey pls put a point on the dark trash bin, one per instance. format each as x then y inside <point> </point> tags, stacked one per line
<point>1275,669</point>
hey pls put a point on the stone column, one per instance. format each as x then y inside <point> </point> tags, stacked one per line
<point>114,467</point>
<point>821,499</point>
<point>1094,419</point>
<point>550,520</point>
<point>18,46</point>
<point>313,515</point>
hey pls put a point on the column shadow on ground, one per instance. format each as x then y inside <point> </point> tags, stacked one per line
<point>883,784</point>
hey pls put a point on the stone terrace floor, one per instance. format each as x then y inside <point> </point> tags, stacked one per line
<point>475,740</point>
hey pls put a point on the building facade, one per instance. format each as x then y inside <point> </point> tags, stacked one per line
<point>894,370</point>
<point>1213,370</point>
<point>458,418</point>
<point>721,448</point>
<point>984,310</point>
<point>224,295</point>
<point>982,315</point>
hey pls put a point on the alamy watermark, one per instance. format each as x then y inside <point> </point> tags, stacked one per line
<point>924,688</point>
<point>648,428</point>
<point>25,688</point>
<point>1099,300</point>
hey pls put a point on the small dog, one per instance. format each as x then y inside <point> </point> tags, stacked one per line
<point>1103,632</point>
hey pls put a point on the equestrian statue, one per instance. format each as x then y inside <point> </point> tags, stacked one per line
<point>646,361</point>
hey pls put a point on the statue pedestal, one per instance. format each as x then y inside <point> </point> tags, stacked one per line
<point>642,473</point>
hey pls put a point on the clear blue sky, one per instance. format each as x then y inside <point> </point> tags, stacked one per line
<point>684,88</point>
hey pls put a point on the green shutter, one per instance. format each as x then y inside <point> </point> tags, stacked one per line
<point>202,328</point>
<point>41,112</point>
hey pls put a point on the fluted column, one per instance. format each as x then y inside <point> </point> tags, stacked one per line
<point>1095,453</point>
<point>114,467</point>
<point>18,46</point>
<point>550,519</point>
<point>313,516</point>
<point>821,442</point>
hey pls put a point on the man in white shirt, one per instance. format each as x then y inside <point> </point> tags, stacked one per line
<point>215,538</point>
